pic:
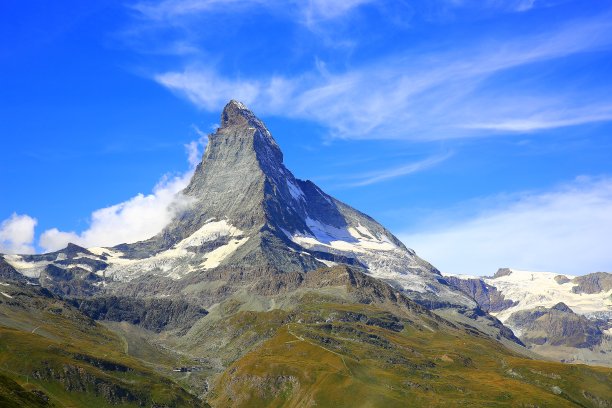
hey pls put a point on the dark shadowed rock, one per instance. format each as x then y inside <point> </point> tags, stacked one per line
<point>502,272</point>
<point>71,282</point>
<point>555,326</point>
<point>488,297</point>
<point>561,279</point>
<point>562,307</point>
<point>7,272</point>
<point>593,283</point>
<point>151,314</point>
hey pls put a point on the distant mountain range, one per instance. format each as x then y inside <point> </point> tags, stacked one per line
<point>565,317</point>
<point>266,291</point>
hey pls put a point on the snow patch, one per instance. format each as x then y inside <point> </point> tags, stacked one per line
<point>210,231</point>
<point>215,257</point>
<point>382,258</point>
<point>29,269</point>
<point>6,295</point>
<point>183,257</point>
<point>354,239</point>
<point>327,263</point>
<point>99,250</point>
<point>295,191</point>
<point>532,289</point>
<point>82,266</point>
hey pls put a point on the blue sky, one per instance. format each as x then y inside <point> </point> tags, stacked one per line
<point>477,131</point>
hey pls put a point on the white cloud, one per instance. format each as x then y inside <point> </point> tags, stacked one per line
<point>367,179</point>
<point>138,218</point>
<point>315,11</point>
<point>195,148</point>
<point>208,90</point>
<point>549,119</point>
<point>566,230</point>
<point>308,12</point>
<point>417,97</point>
<point>176,8</point>
<point>17,234</point>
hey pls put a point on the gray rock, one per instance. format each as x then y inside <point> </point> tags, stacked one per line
<point>242,179</point>
<point>69,282</point>
<point>593,283</point>
<point>502,272</point>
<point>488,297</point>
<point>555,326</point>
<point>152,314</point>
<point>561,279</point>
<point>8,273</point>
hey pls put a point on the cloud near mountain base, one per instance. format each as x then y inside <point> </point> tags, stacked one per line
<point>565,230</point>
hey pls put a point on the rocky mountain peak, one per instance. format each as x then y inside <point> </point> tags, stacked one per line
<point>502,272</point>
<point>242,134</point>
<point>248,219</point>
<point>562,307</point>
<point>236,113</point>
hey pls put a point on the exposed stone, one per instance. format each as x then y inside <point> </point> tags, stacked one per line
<point>593,283</point>
<point>555,326</point>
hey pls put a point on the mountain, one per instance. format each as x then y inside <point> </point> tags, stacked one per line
<point>555,326</point>
<point>244,217</point>
<point>244,221</point>
<point>565,317</point>
<point>266,291</point>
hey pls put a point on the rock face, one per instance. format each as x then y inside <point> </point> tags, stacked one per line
<point>246,220</point>
<point>593,283</point>
<point>555,326</point>
<point>588,295</point>
<point>8,272</point>
<point>563,317</point>
<point>74,281</point>
<point>152,314</point>
<point>488,297</point>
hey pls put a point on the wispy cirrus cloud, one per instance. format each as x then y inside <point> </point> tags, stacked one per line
<point>430,96</point>
<point>378,176</point>
<point>548,119</point>
<point>308,12</point>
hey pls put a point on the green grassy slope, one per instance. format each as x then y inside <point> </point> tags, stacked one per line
<point>51,352</point>
<point>325,358</point>
<point>340,340</point>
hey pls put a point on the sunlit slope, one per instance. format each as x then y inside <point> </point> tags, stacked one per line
<point>52,355</point>
<point>346,339</point>
<point>361,356</point>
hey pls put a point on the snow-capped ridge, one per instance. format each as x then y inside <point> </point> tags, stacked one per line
<point>249,211</point>
<point>530,289</point>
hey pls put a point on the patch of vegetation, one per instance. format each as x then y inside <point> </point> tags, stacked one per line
<point>354,355</point>
<point>52,355</point>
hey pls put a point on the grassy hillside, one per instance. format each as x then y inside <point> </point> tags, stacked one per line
<point>358,343</point>
<point>52,355</point>
<point>327,357</point>
<point>340,340</point>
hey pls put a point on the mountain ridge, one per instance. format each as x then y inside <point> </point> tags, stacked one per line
<point>264,290</point>
<point>244,209</point>
<point>564,317</point>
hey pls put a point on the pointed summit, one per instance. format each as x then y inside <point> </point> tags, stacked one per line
<point>252,222</point>
<point>236,113</point>
<point>242,133</point>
